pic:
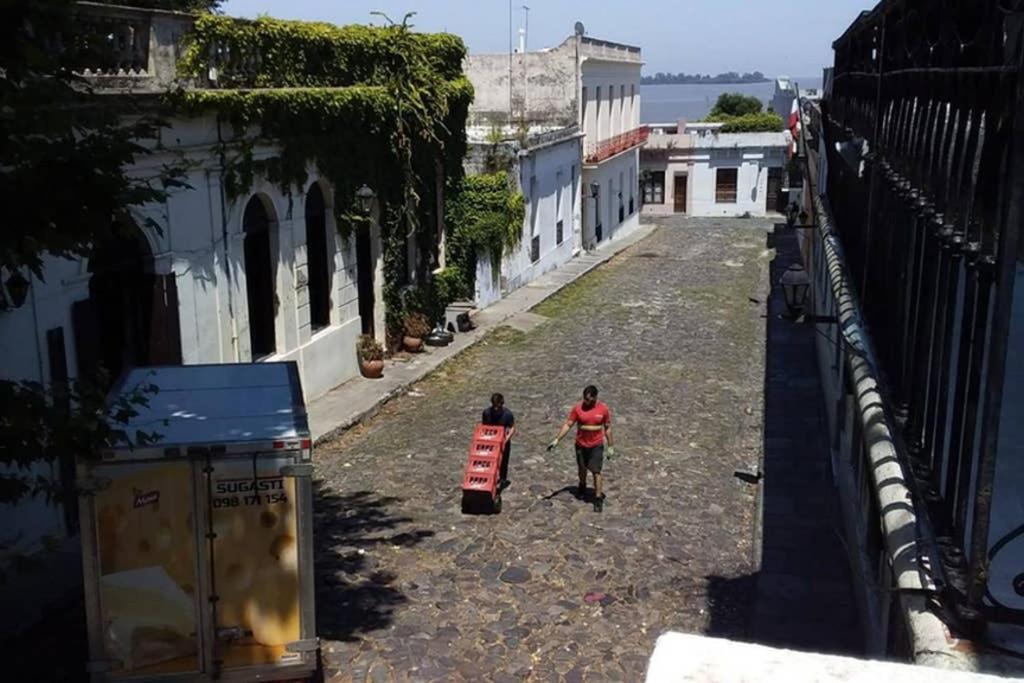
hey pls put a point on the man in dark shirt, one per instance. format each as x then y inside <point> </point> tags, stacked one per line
<point>500,416</point>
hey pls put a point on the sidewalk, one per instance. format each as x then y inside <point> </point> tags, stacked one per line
<point>361,398</point>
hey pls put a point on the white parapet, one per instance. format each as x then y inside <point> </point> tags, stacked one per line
<point>684,658</point>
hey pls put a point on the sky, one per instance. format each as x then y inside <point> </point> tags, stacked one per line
<point>776,37</point>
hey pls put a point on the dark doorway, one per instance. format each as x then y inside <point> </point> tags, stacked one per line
<point>679,193</point>
<point>259,280</point>
<point>776,199</point>
<point>598,228</point>
<point>117,335</point>
<point>56,354</point>
<point>364,266</point>
<point>318,260</point>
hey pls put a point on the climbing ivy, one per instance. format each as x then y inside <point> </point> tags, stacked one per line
<point>381,106</point>
<point>484,216</point>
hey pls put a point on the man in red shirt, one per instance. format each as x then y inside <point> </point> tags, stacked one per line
<point>593,422</point>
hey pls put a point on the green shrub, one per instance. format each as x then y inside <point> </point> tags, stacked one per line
<point>753,123</point>
<point>734,104</point>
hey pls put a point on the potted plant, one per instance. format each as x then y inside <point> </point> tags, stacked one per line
<point>371,357</point>
<point>417,327</point>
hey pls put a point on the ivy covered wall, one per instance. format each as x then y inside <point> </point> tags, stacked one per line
<point>381,106</point>
<point>485,217</point>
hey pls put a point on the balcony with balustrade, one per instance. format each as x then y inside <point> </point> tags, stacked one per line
<point>118,49</point>
<point>606,149</point>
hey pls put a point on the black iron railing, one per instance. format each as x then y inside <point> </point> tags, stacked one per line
<point>922,129</point>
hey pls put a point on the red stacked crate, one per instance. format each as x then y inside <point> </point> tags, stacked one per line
<point>480,484</point>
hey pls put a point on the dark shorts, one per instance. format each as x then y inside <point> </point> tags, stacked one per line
<point>590,458</point>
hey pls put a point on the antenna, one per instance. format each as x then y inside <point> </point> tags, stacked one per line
<point>526,25</point>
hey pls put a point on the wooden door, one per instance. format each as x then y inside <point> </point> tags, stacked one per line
<point>679,193</point>
<point>775,201</point>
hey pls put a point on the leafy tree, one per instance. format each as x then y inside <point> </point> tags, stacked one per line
<point>52,127</point>
<point>64,184</point>
<point>734,104</point>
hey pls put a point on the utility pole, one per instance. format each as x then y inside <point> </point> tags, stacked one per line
<point>510,115</point>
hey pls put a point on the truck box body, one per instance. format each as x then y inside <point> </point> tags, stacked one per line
<point>197,545</point>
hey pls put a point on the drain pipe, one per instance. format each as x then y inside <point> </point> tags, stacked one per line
<point>227,253</point>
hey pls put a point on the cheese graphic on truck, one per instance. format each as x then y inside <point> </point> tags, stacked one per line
<point>151,619</point>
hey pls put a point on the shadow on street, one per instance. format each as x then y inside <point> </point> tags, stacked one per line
<point>352,595</point>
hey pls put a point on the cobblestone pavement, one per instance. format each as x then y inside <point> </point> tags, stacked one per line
<point>672,332</point>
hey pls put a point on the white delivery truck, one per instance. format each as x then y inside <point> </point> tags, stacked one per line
<point>198,548</point>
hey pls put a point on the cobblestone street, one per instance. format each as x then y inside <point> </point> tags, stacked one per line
<point>672,332</point>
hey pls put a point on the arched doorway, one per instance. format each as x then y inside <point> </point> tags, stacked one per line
<point>261,295</point>
<point>318,259</point>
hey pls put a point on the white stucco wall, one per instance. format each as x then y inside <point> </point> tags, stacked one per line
<point>610,117</point>
<point>607,175</point>
<point>203,247</point>
<point>488,282</point>
<point>552,169</point>
<point>751,185</point>
<point>752,154</point>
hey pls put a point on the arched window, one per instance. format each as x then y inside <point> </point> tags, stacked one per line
<point>317,260</point>
<point>259,279</point>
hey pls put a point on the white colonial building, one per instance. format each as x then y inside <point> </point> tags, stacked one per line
<point>203,277</point>
<point>545,167</point>
<point>610,117</point>
<point>695,169</point>
<point>582,94</point>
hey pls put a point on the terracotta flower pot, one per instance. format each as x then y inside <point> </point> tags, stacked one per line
<point>412,344</point>
<point>371,369</point>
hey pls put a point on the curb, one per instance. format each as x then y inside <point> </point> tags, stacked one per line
<point>613,250</point>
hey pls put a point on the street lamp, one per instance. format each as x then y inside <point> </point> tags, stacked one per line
<point>365,196</point>
<point>594,189</point>
<point>795,287</point>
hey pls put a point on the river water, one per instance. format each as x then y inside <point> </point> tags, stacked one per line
<point>665,103</point>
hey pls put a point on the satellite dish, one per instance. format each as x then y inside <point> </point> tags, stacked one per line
<point>578,28</point>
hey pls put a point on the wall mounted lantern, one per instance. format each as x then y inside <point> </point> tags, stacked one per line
<point>365,196</point>
<point>594,189</point>
<point>17,288</point>
<point>795,287</point>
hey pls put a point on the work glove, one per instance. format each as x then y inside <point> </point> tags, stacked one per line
<point>610,451</point>
<point>553,445</point>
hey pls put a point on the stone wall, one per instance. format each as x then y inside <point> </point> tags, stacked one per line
<point>543,90</point>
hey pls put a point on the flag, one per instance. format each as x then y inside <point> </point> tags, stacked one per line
<point>794,123</point>
<point>794,117</point>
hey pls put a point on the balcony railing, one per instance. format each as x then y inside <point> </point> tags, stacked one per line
<point>930,228</point>
<point>606,149</point>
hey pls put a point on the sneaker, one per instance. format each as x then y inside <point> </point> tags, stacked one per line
<point>581,492</point>
<point>599,504</point>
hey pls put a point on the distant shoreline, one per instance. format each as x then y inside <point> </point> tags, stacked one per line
<point>703,82</point>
